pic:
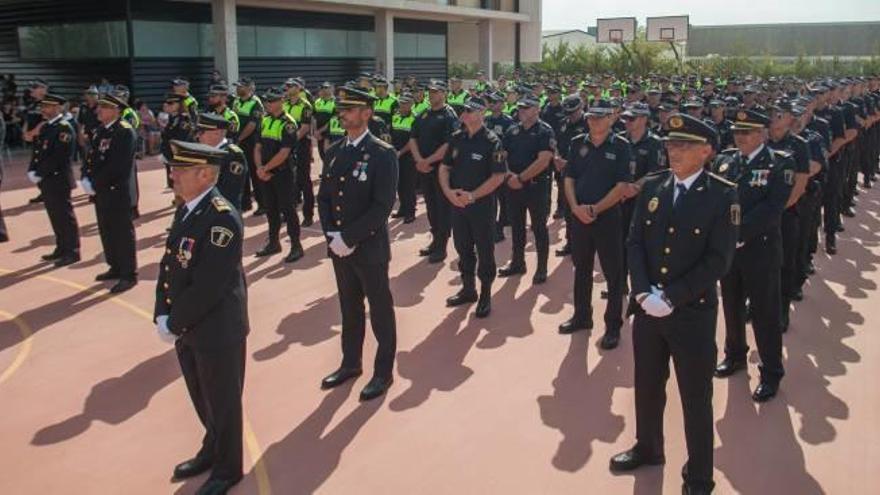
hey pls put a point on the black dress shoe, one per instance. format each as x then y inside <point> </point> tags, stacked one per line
<point>728,367</point>
<point>609,341</point>
<point>798,295</point>
<point>268,250</point>
<point>840,228</point>
<point>54,255</point>
<point>409,219</point>
<point>339,377</point>
<point>632,459</point>
<point>510,270</point>
<point>539,277</point>
<point>811,269</point>
<point>848,212</point>
<point>192,467</point>
<point>484,304</point>
<point>427,251</point>
<point>260,211</point>
<point>376,387</point>
<point>67,259</point>
<point>437,256</point>
<point>37,199</point>
<point>830,247</point>
<point>575,325</point>
<point>464,296</point>
<point>563,251</point>
<point>558,214</point>
<point>108,275</point>
<point>4,238</point>
<point>694,490</point>
<point>296,253</point>
<point>307,221</point>
<point>765,391</point>
<point>122,286</point>
<point>217,486</point>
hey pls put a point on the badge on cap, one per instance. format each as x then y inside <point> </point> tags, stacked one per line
<point>676,122</point>
<point>653,204</point>
<point>220,236</point>
<point>741,116</point>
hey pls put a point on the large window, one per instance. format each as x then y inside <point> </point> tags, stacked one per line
<point>419,45</point>
<point>74,41</point>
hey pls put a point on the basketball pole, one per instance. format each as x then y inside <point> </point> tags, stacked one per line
<point>677,56</point>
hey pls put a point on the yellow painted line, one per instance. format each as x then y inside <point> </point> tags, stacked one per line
<point>27,342</point>
<point>253,446</point>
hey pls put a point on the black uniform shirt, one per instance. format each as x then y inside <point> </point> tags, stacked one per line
<point>567,131</point>
<point>432,129</point>
<point>553,115</point>
<point>500,124</point>
<point>523,145</point>
<point>53,150</point>
<point>473,159</point>
<point>649,155</point>
<point>109,164</point>
<point>799,149</point>
<point>597,169</point>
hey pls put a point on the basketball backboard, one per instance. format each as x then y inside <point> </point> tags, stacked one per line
<point>616,30</point>
<point>667,28</point>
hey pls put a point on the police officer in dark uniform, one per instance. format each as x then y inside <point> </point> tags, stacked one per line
<point>764,180</point>
<point>498,122</point>
<point>273,161</point>
<point>648,155</point>
<point>213,130</point>
<point>574,124</point>
<point>401,131</point>
<point>250,114</point>
<point>529,147</point>
<point>33,117</point>
<point>179,128</point>
<point>430,137</point>
<point>218,98</point>
<point>597,174</point>
<point>201,307</point>
<point>471,172</point>
<point>718,120</point>
<point>781,138</point>
<point>831,112</point>
<point>817,134</point>
<point>354,201</point>
<point>180,86</point>
<point>553,112</point>
<point>107,176</point>
<point>51,170</point>
<point>88,119</point>
<point>681,243</point>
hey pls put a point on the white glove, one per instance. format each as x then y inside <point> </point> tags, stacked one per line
<point>740,244</point>
<point>165,335</point>
<point>86,185</point>
<point>33,177</point>
<point>339,247</point>
<point>656,307</point>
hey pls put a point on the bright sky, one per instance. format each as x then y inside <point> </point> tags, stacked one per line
<point>579,14</point>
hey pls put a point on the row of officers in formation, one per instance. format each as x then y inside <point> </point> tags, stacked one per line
<point>676,191</point>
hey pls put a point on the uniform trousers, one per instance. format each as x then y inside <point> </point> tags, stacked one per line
<point>604,237</point>
<point>472,235</point>
<point>439,213</point>
<point>56,199</point>
<point>406,185</point>
<point>531,199</point>
<point>278,198</point>
<point>113,211</point>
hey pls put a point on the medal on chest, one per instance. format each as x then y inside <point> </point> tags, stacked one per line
<point>104,145</point>
<point>759,178</point>
<point>185,250</point>
<point>360,171</point>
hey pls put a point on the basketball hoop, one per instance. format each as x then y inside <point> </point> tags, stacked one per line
<point>615,36</point>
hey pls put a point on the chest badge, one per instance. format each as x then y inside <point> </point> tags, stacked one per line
<point>583,151</point>
<point>454,153</point>
<point>723,168</point>
<point>185,251</point>
<point>653,204</point>
<point>515,131</point>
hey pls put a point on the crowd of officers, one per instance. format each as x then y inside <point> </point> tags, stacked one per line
<point>676,184</point>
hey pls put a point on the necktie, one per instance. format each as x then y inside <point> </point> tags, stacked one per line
<point>180,214</point>
<point>682,190</point>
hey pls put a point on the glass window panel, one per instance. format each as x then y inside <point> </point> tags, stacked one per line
<point>206,40</point>
<point>280,42</point>
<point>165,39</point>
<point>74,41</point>
<point>361,44</point>
<point>326,43</point>
<point>247,41</point>
<point>432,46</point>
<point>406,45</point>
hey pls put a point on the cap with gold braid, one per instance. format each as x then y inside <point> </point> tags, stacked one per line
<point>749,120</point>
<point>683,127</point>
<point>110,100</point>
<point>51,99</point>
<point>186,155</point>
<point>348,97</point>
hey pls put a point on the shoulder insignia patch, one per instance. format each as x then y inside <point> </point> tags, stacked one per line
<point>789,177</point>
<point>64,137</point>
<point>220,204</point>
<point>221,236</point>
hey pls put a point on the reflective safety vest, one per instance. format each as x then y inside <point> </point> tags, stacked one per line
<point>189,102</point>
<point>132,117</point>
<point>244,108</point>
<point>420,107</point>
<point>232,118</point>
<point>509,108</point>
<point>273,127</point>
<point>325,106</point>
<point>457,99</point>
<point>334,128</point>
<point>401,123</point>
<point>295,110</point>
<point>481,86</point>
<point>384,105</point>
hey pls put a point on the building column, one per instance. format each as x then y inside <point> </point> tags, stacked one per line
<point>385,43</point>
<point>487,52</point>
<point>225,38</point>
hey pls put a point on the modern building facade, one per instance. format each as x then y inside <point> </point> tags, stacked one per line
<point>145,43</point>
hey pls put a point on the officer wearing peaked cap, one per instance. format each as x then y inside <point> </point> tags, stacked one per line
<point>180,127</point>
<point>213,131</point>
<point>355,198</point>
<point>201,307</point>
<point>681,243</point>
<point>764,180</point>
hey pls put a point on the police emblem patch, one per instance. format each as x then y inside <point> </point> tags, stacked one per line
<point>676,122</point>
<point>789,177</point>
<point>221,236</point>
<point>741,116</point>
<point>236,168</point>
<point>583,151</point>
<point>64,137</point>
<point>735,214</point>
<point>653,204</point>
